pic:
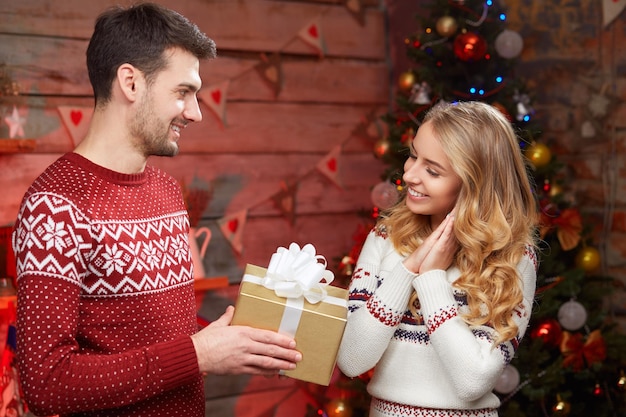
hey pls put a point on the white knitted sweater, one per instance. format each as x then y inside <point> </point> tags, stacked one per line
<point>434,361</point>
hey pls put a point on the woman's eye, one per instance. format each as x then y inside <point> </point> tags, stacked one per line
<point>432,173</point>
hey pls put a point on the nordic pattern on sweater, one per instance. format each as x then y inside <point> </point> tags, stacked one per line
<point>391,409</point>
<point>434,361</point>
<point>105,294</point>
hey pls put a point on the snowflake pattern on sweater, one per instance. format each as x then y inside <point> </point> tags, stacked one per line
<point>105,294</point>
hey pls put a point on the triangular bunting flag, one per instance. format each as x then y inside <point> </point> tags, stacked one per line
<point>285,201</point>
<point>329,165</point>
<point>232,227</point>
<point>271,71</point>
<point>312,35</point>
<point>76,121</point>
<point>356,9</point>
<point>214,96</point>
<point>611,9</point>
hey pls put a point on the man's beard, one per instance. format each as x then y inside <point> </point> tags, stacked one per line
<point>152,138</point>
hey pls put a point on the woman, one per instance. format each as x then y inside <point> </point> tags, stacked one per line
<point>443,289</point>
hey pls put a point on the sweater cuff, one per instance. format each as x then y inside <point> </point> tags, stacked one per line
<point>433,291</point>
<point>177,361</point>
<point>396,289</point>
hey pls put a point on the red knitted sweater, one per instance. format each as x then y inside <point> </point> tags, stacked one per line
<point>105,294</point>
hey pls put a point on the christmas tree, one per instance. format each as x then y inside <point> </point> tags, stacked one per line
<point>573,358</point>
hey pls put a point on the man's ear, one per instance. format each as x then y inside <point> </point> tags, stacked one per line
<point>129,79</point>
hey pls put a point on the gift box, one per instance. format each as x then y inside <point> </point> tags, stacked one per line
<point>313,313</point>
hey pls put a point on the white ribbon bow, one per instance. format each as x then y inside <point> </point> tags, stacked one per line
<point>295,272</point>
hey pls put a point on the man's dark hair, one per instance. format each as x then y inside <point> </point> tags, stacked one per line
<point>139,35</point>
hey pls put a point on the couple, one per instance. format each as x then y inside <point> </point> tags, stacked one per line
<point>441,294</point>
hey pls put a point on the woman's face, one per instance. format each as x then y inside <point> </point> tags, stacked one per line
<point>432,185</point>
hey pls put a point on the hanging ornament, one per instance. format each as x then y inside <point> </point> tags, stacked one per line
<point>569,226</point>
<point>509,44</point>
<point>470,46</point>
<point>580,352</point>
<point>538,154</point>
<point>420,92</point>
<point>384,195</point>
<point>546,186</point>
<point>597,390</point>
<point>406,81</point>
<point>549,331</point>
<point>508,381</point>
<point>555,190</point>
<point>599,105</point>
<point>16,124</point>
<point>381,147</point>
<point>561,408</point>
<point>407,137</point>
<point>524,110</point>
<point>572,315</point>
<point>338,407</point>
<point>587,130</point>
<point>588,258</point>
<point>346,266</point>
<point>446,26</point>
<point>621,382</point>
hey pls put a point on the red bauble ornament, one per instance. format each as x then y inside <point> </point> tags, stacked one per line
<point>470,47</point>
<point>549,331</point>
<point>597,390</point>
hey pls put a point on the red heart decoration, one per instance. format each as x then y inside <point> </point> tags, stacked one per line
<point>233,225</point>
<point>216,95</point>
<point>76,116</point>
<point>332,164</point>
<point>313,31</point>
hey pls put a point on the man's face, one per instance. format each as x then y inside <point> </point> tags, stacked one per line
<point>167,105</point>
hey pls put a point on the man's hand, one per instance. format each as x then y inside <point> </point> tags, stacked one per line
<point>224,349</point>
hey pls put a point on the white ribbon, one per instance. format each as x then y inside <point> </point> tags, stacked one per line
<point>295,273</point>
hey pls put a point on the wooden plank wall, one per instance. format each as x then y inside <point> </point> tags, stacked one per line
<point>324,103</point>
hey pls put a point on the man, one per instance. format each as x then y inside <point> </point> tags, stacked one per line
<point>106,312</point>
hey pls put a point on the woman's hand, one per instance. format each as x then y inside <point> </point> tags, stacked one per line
<point>437,251</point>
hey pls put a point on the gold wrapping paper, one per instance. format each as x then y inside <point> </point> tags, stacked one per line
<point>319,331</point>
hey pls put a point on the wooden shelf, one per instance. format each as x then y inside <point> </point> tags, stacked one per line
<point>8,145</point>
<point>210,283</point>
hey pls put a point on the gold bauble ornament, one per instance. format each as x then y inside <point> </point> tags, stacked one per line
<point>406,80</point>
<point>555,190</point>
<point>538,154</point>
<point>561,408</point>
<point>338,407</point>
<point>447,26</point>
<point>588,258</point>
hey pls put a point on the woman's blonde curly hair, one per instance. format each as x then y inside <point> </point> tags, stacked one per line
<point>496,211</point>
